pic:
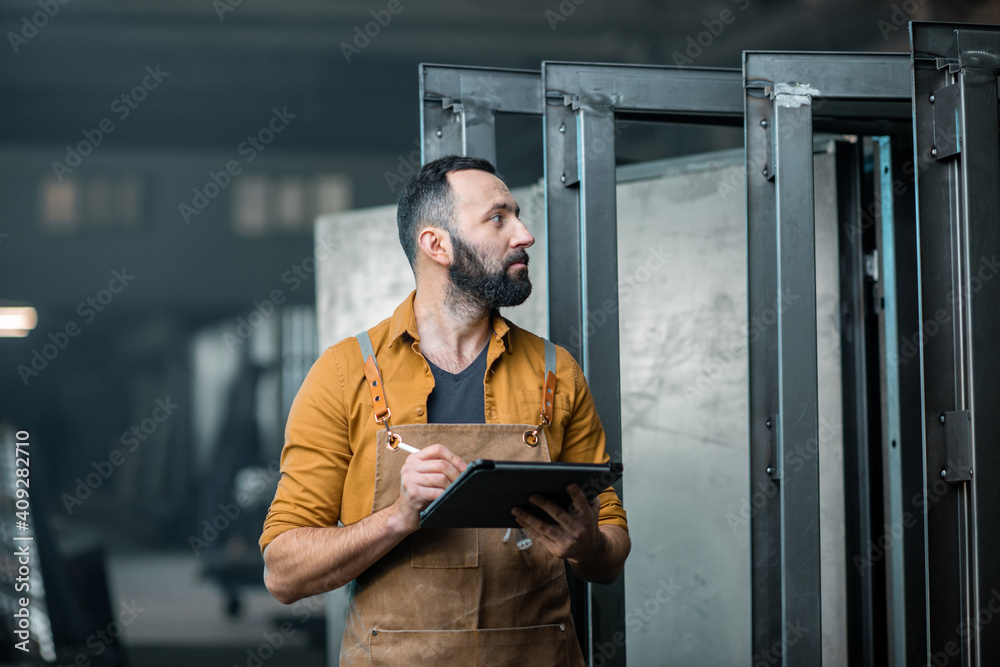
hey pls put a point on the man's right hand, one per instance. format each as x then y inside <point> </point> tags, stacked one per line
<point>424,476</point>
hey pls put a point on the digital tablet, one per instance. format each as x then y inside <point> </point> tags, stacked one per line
<point>486,491</point>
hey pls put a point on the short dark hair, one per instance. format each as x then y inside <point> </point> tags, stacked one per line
<point>427,198</point>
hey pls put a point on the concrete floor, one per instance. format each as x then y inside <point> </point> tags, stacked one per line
<point>180,618</point>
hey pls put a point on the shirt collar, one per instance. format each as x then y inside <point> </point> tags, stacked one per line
<point>404,321</point>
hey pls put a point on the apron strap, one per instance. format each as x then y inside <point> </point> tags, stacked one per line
<point>550,381</point>
<point>373,377</point>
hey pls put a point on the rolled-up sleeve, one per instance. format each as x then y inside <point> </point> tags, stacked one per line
<point>584,442</point>
<point>316,454</point>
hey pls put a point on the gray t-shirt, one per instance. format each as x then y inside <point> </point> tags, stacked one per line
<point>457,398</point>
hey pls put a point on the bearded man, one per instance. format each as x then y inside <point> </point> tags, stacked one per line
<point>455,380</point>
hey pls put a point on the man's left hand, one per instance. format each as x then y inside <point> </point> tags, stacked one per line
<point>574,535</point>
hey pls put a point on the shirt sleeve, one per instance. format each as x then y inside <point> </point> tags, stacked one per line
<point>584,441</point>
<point>316,454</point>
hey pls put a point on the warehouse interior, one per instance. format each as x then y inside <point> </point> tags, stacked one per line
<point>185,184</point>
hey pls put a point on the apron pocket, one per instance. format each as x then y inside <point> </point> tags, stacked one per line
<point>504,647</point>
<point>445,547</point>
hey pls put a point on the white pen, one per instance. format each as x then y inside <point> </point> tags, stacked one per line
<point>406,448</point>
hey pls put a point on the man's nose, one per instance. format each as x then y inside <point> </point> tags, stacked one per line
<point>522,237</point>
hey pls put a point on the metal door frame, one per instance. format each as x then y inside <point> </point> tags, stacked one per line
<point>783,98</point>
<point>787,95</point>
<point>957,154</point>
<point>580,101</point>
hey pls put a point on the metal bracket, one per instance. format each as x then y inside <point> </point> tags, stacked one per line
<point>770,157</point>
<point>957,446</point>
<point>951,63</point>
<point>946,103</point>
<point>570,175</point>
<point>774,461</point>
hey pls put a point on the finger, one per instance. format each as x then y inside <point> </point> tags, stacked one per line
<point>558,514</point>
<point>439,451</point>
<point>580,502</point>
<point>432,466</point>
<point>548,535</point>
<point>560,528</point>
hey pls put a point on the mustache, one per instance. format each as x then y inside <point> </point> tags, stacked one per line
<point>515,257</point>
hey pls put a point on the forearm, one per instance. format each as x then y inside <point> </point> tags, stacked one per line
<point>308,561</point>
<point>605,562</point>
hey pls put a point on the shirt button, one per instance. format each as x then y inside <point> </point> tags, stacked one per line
<point>420,411</point>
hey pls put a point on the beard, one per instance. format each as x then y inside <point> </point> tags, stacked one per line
<point>475,287</point>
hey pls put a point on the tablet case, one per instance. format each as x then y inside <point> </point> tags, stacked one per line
<point>483,495</point>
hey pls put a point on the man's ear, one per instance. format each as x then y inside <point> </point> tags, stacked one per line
<point>436,244</point>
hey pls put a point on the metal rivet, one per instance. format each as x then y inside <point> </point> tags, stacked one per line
<point>562,179</point>
<point>934,151</point>
<point>941,419</point>
<point>562,628</point>
<point>562,128</point>
<point>765,172</point>
<point>768,470</point>
<point>374,633</point>
<point>944,473</point>
<point>763,123</point>
<point>932,99</point>
<point>768,423</point>
<point>439,133</point>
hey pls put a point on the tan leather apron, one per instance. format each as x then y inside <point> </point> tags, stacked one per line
<point>459,596</point>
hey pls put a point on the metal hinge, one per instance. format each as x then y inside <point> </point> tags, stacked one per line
<point>773,460</point>
<point>957,446</point>
<point>946,104</point>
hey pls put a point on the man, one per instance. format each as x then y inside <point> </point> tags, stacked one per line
<point>448,374</point>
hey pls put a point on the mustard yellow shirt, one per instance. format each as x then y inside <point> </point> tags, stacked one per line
<point>328,461</point>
